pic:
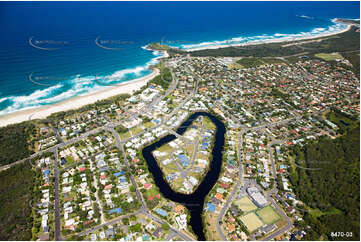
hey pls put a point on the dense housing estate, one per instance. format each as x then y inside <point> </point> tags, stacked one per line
<point>93,183</point>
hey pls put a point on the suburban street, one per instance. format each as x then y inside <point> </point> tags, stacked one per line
<point>56,196</point>
<point>110,126</point>
<point>235,189</point>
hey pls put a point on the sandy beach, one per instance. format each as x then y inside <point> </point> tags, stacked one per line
<point>127,87</point>
<point>77,102</point>
<point>279,40</point>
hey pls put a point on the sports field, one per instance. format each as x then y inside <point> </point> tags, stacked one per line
<point>328,56</point>
<point>268,215</point>
<point>245,204</point>
<point>251,221</point>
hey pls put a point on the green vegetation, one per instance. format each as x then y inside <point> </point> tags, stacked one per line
<point>15,198</point>
<point>149,125</point>
<point>136,130</point>
<point>123,132</point>
<point>136,228</point>
<point>245,204</point>
<point>164,79</point>
<point>14,142</point>
<point>158,46</point>
<point>318,213</point>
<point>342,120</point>
<point>98,105</point>
<point>121,129</point>
<point>332,189</point>
<point>348,41</point>
<point>272,60</point>
<point>328,57</point>
<point>250,62</point>
<point>354,58</point>
<point>151,192</point>
<point>165,226</point>
<point>268,215</point>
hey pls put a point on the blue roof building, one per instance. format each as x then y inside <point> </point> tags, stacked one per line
<point>115,210</point>
<point>183,159</point>
<point>132,99</point>
<point>211,207</point>
<point>119,173</point>
<point>161,212</point>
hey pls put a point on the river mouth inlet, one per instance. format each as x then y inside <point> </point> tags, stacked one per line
<point>193,202</point>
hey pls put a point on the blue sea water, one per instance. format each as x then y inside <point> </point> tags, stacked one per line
<point>81,47</point>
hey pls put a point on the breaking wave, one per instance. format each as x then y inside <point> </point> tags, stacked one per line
<point>75,86</point>
<point>241,40</point>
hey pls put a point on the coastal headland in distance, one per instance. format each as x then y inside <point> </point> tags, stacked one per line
<point>133,85</point>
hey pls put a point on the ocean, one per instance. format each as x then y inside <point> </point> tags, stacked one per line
<point>52,51</point>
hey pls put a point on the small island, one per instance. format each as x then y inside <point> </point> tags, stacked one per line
<point>185,160</point>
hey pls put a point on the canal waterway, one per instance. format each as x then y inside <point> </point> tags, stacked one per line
<point>193,202</point>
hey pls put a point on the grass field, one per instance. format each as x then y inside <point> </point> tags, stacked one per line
<point>149,125</point>
<point>272,60</point>
<point>136,130</point>
<point>251,221</point>
<point>151,192</point>
<point>171,167</point>
<point>201,156</point>
<point>328,57</point>
<point>208,124</point>
<point>165,148</point>
<point>318,213</point>
<point>125,135</point>
<point>234,66</point>
<point>268,215</point>
<point>245,204</point>
<point>69,160</point>
<point>189,148</point>
<point>250,62</point>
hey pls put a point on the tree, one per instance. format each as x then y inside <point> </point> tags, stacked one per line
<point>165,226</point>
<point>132,188</point>
<point>125,221</point>
<point>136,228</point>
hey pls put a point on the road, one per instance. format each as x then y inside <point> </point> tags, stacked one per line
<point>119,145</point>
<point>95,184</point>
<point>196,143</point>
<point>109,126</point>
<point>143,208</point>
<point>247,182</point>
<point>116,220</point>
<point>173,230</point>
<point>274,191</point>
<point>235,189</point>
<point>57,228</point>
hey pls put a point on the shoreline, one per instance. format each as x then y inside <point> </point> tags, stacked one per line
<point>132,85</point>
<point>76,102</point>
<point>270,41</point>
